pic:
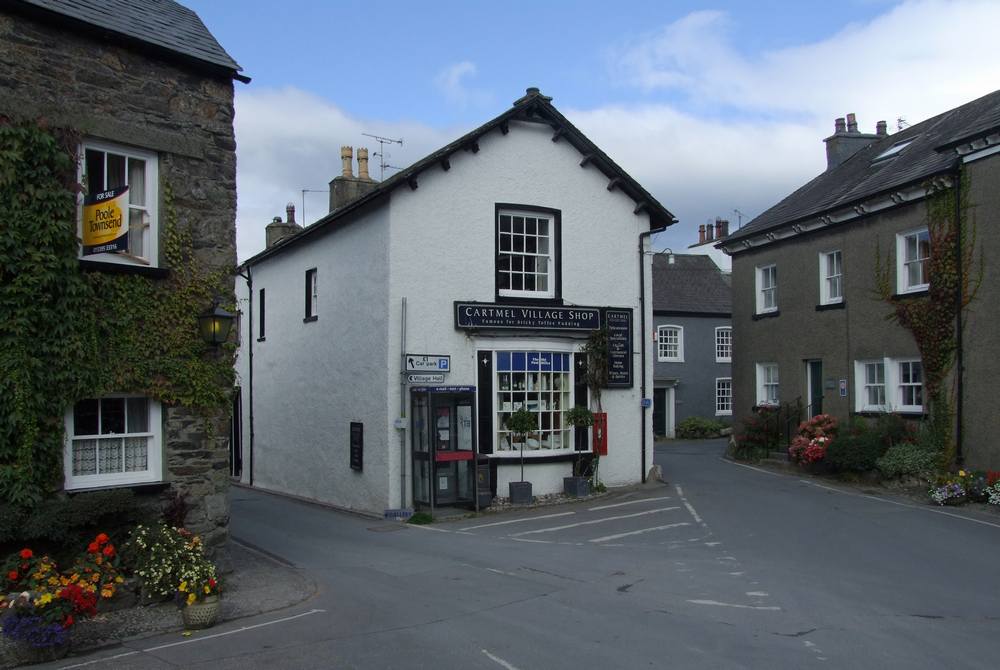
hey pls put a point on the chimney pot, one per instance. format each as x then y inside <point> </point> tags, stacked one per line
<point>347,160</point>
<point>839,125</point>
<point>363,164</point>
<point>725,228</point>
<point>718,228</point>
<point>709,232</point>
<point>881,129</point>
<point>701,234</point>
<point>290,212</point>
<point>852,123</point>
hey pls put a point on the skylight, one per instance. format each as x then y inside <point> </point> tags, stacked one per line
<point>893,150</point>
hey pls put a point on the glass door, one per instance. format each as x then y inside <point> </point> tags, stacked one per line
<point>421,448</point>
<point>444,453</point>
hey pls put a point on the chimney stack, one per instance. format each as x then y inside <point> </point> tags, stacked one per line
<point>290,212</point>
<point>709,232</point>
<point>363,164</point>
<point>347,160</point>
<point>346,187</point>
<point>701,234</point>
<point>845,141</point>
<point>880,129</point>
<point>278,230</point>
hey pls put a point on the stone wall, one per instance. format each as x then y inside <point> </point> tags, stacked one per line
<point>107,90</point>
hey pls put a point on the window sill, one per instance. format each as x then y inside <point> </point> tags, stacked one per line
<point>123,269</point>
<point>765,315</point>
<point>723,414</point>
<point>514,458</point>
<point>825,307</point>
<point>310,319</point>
<point>144,487</point>
<point>724,360</point>
<point>919,293</point>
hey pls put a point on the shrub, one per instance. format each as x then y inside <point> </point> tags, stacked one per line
<point>908,460</point>
<point>759,435</point>
<point>160,554</point>
<point>697,428</point>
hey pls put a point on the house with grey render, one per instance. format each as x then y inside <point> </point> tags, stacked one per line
<point>386,344</point>
<point>809,325</point>
<point>694,341</point>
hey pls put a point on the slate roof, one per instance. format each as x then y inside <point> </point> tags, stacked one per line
<point>532,107</point>
<point>859,177</point>
<point>163,24</point>
<point>692,284</point>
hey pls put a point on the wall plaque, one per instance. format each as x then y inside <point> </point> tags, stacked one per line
<point>357,445</point>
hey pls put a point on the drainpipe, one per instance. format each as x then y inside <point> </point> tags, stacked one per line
<point>642,327</point>
<point>959,366</point>
<point>249,277</point>
<point>402,405</point>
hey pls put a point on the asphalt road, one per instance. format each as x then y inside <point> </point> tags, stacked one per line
<point>724,566</point>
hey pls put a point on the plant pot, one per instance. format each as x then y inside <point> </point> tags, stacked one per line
<point>577,487</point>
<point>485,499</point>
<point>42,654</point>
<point>520,493</point>
<point>201,614</point>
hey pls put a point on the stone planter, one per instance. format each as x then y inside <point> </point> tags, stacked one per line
<point>520,493</point>
<point>201,614</point>
<point>577,487</point>
<point>42,654</point>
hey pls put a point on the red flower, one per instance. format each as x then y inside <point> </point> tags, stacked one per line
<point>102,538</point>
<point>109,550</point>
<point>26,554</point>
<point>93,548</point>
<point>12,575</point>
<point>211,582</point>
<point>68,621</point>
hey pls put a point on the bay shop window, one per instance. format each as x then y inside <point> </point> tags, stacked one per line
<point>542,383</point>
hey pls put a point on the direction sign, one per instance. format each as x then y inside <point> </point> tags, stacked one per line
<point>428,363</point>
<point>425,379</point>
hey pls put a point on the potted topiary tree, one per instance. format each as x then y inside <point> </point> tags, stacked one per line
<point>579,484</point>
<point>520,423</point>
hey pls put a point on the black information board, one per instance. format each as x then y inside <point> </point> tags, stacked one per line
<point>619,324</point>
<point>489,316</point>
<point>357,445</point>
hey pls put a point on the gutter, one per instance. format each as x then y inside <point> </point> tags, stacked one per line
<point>642,320</point>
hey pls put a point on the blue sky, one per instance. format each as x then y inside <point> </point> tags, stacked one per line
<point>713,107</point>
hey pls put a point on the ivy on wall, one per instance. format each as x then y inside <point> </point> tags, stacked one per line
<point>67,335</point>
<point>954,279</point>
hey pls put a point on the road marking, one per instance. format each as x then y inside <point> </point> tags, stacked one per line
<point>750,467</point>
<point>501,572</point>
<point>197,639</point>
<point>899,504</point>
<point>504,523</point>
<point>499,661</point>
<point>630,502</point>
<point>638,532</point>
<point>757,594</point>
<point>524,539</point>
<point>690,508</point>
<point>552,529</point>
<point>423,526</point>
<point>741,607</point>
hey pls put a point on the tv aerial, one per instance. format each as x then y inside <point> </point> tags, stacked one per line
<point>382,155</point>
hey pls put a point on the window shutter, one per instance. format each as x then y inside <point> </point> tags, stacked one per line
<point>485,402</point>
<point>580,398</point>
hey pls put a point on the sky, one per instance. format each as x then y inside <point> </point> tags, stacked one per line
<point>717,109</point>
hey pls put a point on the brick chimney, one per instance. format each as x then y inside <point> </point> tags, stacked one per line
<point>701,234</point>
<point>278,230</point>
<point>880,129</point>
<point>346,187</point>
<point>845,141</point>
<point>709,232</point>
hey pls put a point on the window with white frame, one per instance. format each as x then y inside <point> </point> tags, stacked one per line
<point>767,289</point>
<point>767,384</point>
<point>831,278</point>
<point>112,441</point>
<point>311,294</point>
<point>670,343</point>
<point>913,251</point>
<point>542,383</point>
<point>723,344</point>
<point>889,385</point>
<point>106,167</point>
<point>724,396</point>
<point>526,253</point>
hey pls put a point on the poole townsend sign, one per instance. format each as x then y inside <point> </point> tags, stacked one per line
<point>489,316</point>
<point>105,228</point>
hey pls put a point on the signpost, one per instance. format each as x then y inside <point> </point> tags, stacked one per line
<point>424,379</point>
<point>428,363</point>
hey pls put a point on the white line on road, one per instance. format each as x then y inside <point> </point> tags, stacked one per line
<point>690,508</point>
<point>499,661</point>
<point>742,607</point>
<point>638,532</point>
<point>750,467</point>
<point>593,521</point>
<point>757,594</point>
<point>504,523</point>
<point>501,572</point>
<point>197,639</point>
<point>423,526</point>
<point>630,502</point>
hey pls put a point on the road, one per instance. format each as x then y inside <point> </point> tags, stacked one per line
<point>724,566</point>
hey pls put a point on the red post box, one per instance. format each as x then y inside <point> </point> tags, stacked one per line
<point>600,433</point>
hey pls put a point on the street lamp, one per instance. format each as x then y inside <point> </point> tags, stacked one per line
<point>215,325</point>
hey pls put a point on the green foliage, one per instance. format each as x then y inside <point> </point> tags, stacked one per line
<point>759,435</point>
<point>697,428</point>
<point>522,422</point>
<point>596,351</point>
<point>863,443</point>
<point>160,555</point>
<point>908,460</point>
<point>579,416</point>
<point>66,335</point>
<point>420,519</point>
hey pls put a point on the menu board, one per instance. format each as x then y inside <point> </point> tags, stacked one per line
<point>619,324</point>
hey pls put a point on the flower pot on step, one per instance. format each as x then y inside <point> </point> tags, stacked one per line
<point>202,613</point>
<point>520,493</point>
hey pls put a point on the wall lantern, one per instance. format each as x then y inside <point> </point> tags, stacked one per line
<point>215,325</point>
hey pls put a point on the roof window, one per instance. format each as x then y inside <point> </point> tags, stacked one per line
<point>893,150</point>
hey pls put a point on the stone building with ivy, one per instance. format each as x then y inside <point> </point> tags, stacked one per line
<point>873,287</point>
<point>119,189</point>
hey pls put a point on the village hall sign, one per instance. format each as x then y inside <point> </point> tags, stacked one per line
<point>475,315</point>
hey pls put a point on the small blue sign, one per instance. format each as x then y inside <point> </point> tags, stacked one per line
<point>647,402</point>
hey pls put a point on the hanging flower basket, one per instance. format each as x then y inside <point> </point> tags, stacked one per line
<point>202,613</point>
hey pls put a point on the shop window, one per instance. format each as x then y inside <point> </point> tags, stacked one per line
<point>723,344</point>
<point>542,383</point>
<point>527,246</point>
<point>670,344</point>
<point>112,441</point>
<point>109,168</point>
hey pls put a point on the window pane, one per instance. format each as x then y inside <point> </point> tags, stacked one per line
<point>541,283</point>
<point>112,416</point>
<point>505,243</point>
<point>530,226</point>
<point>137,182</point>
<point>85,417</point>
<point>116,171</point>
<point>84,457</point>
<point>518,225</point>
<point>94,169</point>
<point>137,410</point>
<point>138,221</point>
<point>109,455</point>
<point>543,246</point>
<point>543,227</point>
<point>136,450</point>
<point>504,224</point>
<point>518,244</point>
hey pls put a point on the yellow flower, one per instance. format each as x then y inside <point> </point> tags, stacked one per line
<point>961,473</point>
<point>183,587</point>
<point>95,577</point>
<point>74,577</point>
<point>45,599</point>
<point>119,580</point>
<point>107,593</point>
<point>207,590</point>
<point>54,581</point>
<point>191,598</point>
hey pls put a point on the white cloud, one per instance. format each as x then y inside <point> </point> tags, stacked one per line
<point>452,83</point>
